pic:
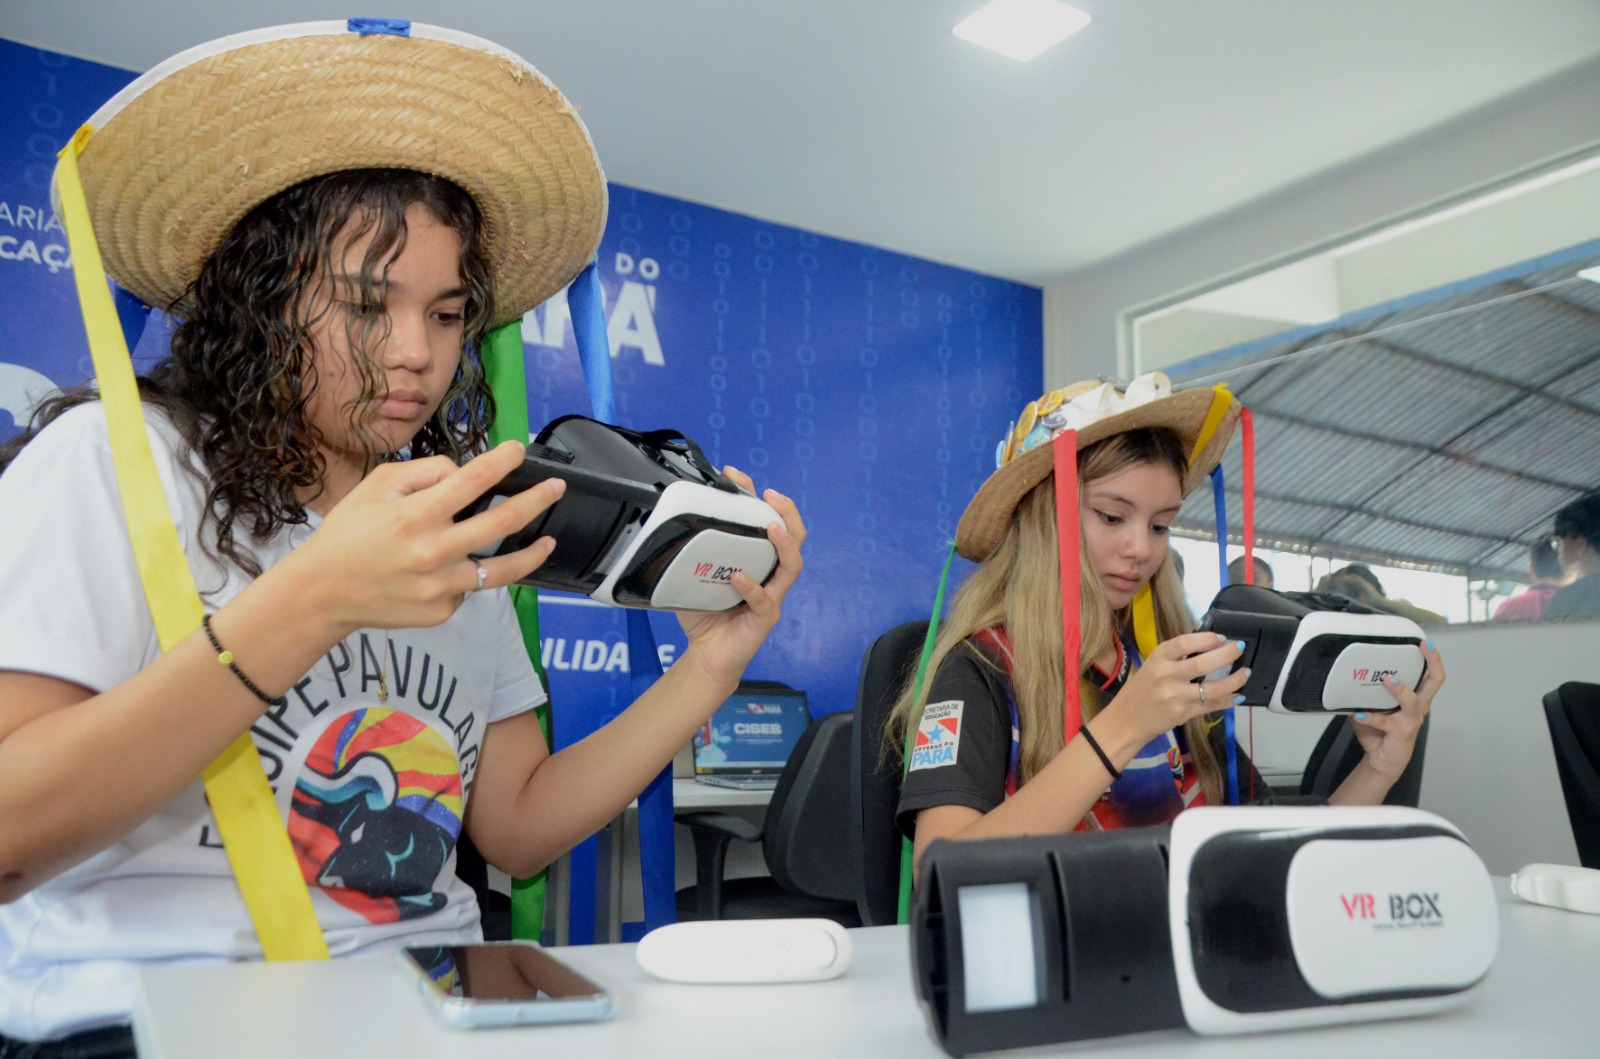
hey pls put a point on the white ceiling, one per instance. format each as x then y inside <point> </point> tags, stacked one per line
<point>868,120</point>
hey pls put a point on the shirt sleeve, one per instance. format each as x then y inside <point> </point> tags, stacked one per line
<point>962,746</point>
<point>74,605</point>
<point>517,687</point>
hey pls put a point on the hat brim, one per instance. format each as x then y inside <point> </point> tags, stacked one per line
<point>180,155</point>
<point>984,523</point>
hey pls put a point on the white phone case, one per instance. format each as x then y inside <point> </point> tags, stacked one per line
<point>1559,886</point>
<point>732,951</point>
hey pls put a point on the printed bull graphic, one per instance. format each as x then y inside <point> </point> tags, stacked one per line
<point>376,812</point>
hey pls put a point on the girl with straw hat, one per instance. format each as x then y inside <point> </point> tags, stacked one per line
<point>1007,738</point>
<point>336,213</point>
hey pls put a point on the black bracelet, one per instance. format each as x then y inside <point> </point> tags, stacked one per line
<point>1084,731</point>
<point>225,657</point>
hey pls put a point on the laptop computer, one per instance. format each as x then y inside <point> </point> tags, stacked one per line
<point>748,740</point>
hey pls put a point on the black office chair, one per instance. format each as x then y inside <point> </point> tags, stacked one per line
<point>1337,753</point>
<point>875,780</point>
<point>1573,713</point>
<point>804,841</point>
<point>494,907</point>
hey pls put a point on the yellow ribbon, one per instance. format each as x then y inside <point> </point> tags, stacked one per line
<point>1221,401</point>
<point>1144,621</point>
<point>1144,611</point>
<point>242,803</point>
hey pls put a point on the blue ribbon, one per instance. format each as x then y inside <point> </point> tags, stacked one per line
<point>367,27</point>
<point>1219,494</point>
<point>586,303</point>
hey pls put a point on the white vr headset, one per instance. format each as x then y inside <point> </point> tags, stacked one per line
<point>1316,653</point>
<point>646,521</point>
<point>1234,920</point>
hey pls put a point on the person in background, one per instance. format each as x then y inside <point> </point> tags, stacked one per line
<point>1263,577</point>
<point>1544,564</point>
<point>1357,581</point>
<point>1577,532</point>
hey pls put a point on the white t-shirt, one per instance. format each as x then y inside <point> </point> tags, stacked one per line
<point>372,792</point>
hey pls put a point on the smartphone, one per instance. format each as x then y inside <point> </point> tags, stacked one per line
<point>502,983</point>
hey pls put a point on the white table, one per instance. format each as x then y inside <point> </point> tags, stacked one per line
<point>1540,999</point>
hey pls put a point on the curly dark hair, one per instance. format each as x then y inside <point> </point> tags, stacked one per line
<point>240,371</point>
<point>1581,518</point>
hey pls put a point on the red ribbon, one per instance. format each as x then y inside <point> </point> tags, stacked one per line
<point>1248,485</point>
<point>1065,453</point>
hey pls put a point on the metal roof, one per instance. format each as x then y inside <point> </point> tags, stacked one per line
<point>1442,432</point>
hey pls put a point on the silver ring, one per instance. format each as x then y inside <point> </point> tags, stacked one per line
<point>483,575</point>
<point>1201,686</point>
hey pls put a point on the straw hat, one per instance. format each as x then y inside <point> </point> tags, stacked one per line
<point>182,153</point>
<point>1096,410</point>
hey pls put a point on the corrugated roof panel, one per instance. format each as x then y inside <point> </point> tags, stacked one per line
<point>1551,442</point>
<point>1375,535</point>
<point>1380,392</point>
<point>1477,501</point>
<point>1446,433</point>
<point>1494,339</point>
<point>1276,520</point>
<point>1299,461</point>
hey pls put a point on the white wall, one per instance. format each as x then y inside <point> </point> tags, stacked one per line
<point>1550,122</point>
<point>1489,767</point>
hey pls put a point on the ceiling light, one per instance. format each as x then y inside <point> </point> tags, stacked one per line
<point>1021,29</point>
<point>1590,274</point>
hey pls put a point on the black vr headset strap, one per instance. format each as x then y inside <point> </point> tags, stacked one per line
<point>690,449</point>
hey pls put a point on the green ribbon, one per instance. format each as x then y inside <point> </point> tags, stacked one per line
<point>506,374</point>
<point>903,913</point>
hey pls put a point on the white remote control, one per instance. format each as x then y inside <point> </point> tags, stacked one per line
<point>1559,885</point>
<point>730,951</point>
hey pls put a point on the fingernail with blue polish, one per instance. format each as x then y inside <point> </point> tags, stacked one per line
<point>1430,646</point>
<point>1239,644</point>
<point>1361,716</point>
<point>1238,700</point>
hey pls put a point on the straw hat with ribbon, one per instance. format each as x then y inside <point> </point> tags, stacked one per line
<point>1203,419</point>
<point>174,160</point>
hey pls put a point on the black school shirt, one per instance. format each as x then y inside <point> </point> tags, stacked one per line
<point>963,752</point>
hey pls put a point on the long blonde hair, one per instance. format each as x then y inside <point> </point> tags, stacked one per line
<point>1019,588</point>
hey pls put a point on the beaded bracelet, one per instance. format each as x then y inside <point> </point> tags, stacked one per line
<point>225,658</point>
<point>1084,731</point>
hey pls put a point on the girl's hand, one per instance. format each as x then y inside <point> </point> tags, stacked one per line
<point>1390,738</point>
<point>722,642</point>
<point>1162,693</point>
<point>391,554</point>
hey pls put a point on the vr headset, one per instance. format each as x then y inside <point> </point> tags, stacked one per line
<point>1266,919</point>
<point>1314,653</point>
<point>646,521</point>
